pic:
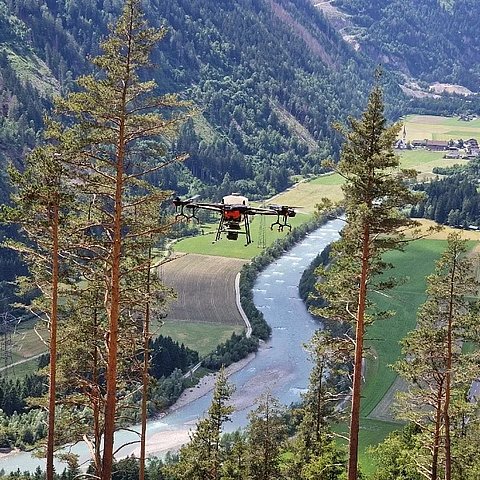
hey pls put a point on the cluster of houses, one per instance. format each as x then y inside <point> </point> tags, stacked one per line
<point>467,149</point>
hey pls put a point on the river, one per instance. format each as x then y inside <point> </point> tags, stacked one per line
<point>281,366</point>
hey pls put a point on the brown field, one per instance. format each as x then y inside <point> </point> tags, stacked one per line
<point>445,231</point>
<point>205,289</point>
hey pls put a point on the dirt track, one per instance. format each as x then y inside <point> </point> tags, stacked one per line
<point>205,288</point>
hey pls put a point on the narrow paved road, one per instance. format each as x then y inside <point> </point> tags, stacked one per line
<point>25,360</point>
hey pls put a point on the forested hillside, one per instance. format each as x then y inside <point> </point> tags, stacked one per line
<point>452,199</point>
<point>268,79</point>
<point>430,40</point>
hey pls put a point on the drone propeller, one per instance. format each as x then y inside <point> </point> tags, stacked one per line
<point>188,203</point>
<point>275,206</point>
<point>177,201</point>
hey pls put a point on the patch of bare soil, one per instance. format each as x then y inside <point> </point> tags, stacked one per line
<point>450,88</point>
<point>205,287</point>
<point>417,93</point>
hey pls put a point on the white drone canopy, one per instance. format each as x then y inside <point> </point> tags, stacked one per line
<point>235,199</point>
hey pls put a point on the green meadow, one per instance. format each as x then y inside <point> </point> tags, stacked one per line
<point>430,127</point>
<point>204,243</point>
<point>410,269</point>
<point>202,337</point>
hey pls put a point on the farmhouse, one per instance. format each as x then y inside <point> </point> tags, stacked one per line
<point>436,145</point>
<point>419,143</point>
<point>471,146</point>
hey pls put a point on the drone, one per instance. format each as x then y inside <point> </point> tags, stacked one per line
<point>235,213</point>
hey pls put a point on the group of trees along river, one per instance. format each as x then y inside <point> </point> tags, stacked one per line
<point>87,205</point>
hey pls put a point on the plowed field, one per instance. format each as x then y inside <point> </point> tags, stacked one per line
<point>205,287</point>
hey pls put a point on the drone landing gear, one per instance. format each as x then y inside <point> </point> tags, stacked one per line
<point>233,229</point>
<point>281,225</point>
<point>185,204</point>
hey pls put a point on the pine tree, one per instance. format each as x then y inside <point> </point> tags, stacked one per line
<point>202,458</point>
<point>114,134</point>
<point>265,434</point>
<point>437,373</point>
<point>330,357</point>
<point>41,202</point>
<point>375,191</point>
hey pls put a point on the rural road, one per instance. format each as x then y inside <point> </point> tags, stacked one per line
<point>22,361</point>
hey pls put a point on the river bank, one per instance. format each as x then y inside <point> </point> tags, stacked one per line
<point>172,440</point>
<point>206,384</point>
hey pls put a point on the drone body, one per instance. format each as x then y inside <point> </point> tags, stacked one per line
<point>234,214</point>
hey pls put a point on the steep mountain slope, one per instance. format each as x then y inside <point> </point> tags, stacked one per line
<point>269,77</point>
<point>430,40</point>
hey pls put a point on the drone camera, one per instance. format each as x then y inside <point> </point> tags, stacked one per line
<point>232,234</point>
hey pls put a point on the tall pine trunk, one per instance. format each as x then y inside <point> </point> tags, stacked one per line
<point>146,341</point>
<point>448,379</point>
<point>437,434</point>
<point>97,396</point>
<point>114,311</point>
<point>357,367</point>
<point>53,342</point>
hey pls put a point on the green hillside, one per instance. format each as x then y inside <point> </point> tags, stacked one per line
<point>429,40</point>
<point>268,79</point>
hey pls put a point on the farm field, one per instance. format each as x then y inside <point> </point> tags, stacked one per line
<point>443,234</point>
<point>204,313</point>
<point>307,194</point>
<point>26,343</point>
<point>424,161</point>
<point>430,127</point>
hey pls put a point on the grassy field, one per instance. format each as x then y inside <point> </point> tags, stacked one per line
<point>308,194</point>
<point>372,432</point>
<point>420,127</point>
<point>412,266</point>
<point>424,161</point>
<point>202,244</point>
<point>202,337</point>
